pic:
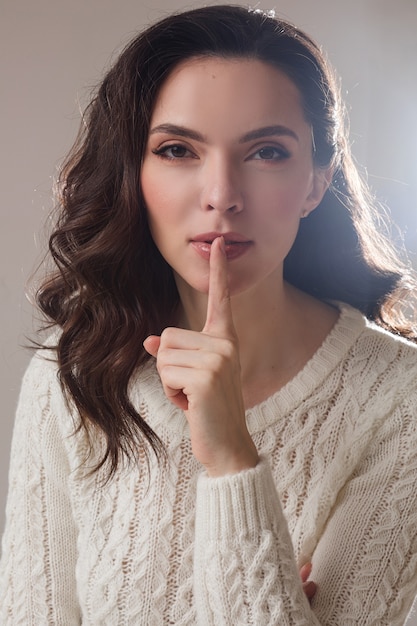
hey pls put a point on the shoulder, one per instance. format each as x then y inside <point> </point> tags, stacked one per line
<point>372,341</point>
<point>41,376</point>
<point>380,366</point>
<point>42,402</point>
<point>389,352</point>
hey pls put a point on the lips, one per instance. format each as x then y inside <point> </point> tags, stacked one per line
<point>228,237</point>
<point>235,244</point>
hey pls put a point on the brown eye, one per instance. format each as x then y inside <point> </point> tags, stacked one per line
<point>271,153</point>
<point>177,151</point>
<point>173,151</point>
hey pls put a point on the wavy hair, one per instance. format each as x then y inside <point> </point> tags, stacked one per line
<point>111,288</point>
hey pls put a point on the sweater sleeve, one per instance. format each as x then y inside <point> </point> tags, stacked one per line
<point>245,570</point>
<point>365,562</point>
<point>37,570</point>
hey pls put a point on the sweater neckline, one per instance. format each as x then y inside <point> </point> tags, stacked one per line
<point>332,351</point>
<point>150,400</point>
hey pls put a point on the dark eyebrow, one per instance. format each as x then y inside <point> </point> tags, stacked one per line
<point>268,131</point>
<point>258,133</point>
<point>181,131</point>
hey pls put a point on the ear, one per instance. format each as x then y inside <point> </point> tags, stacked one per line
<point>322,178</point>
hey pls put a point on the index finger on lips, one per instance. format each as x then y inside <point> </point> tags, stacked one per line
<point>219,319</point>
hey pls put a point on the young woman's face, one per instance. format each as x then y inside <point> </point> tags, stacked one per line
<point>229,152</point>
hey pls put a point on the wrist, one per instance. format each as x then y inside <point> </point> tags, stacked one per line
<point>234,463</point>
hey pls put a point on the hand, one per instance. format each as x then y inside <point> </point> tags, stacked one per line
<point>309,586</point>
<point>200,373</point>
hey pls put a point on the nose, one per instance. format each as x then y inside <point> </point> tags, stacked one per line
<point>221,187</point>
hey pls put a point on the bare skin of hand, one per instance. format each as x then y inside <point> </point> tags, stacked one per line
<point>200,373</point>
<point>309,586</point>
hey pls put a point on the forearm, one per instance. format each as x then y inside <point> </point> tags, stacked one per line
<point>245,570</point>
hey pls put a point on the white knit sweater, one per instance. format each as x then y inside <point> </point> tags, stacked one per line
<point>163,545</point>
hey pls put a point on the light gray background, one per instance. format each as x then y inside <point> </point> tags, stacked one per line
<point>53,51</point>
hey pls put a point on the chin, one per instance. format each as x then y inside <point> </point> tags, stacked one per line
<point>195,283</point>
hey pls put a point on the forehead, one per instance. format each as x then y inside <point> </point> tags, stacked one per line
<point>207,89</point>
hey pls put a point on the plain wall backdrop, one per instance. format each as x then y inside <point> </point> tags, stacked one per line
<point>53,52</point>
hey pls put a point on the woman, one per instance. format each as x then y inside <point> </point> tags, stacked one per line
<point>268,421</point>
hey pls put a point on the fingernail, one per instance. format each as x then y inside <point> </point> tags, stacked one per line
<point>222,245</point>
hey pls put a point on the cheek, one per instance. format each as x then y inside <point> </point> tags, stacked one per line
<point>165,202</point>
<point>290,188</point>
<point>158,204</point>
<point>279,200</point>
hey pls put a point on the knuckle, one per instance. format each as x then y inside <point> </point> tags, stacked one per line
<point>217,363</point>
<point>167,335</point>
<point>226,357</point>
<point>228,349</point>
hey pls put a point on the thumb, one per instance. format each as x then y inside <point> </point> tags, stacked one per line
<point>151,344</point>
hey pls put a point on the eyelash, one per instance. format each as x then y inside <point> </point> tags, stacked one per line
<point>163,152</point>
<point>281,153</point>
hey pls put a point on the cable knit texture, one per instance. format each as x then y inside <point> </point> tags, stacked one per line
<point>166,545</point>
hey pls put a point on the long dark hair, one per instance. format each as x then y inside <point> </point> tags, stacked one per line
<point>111,288</point>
